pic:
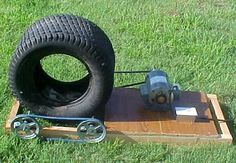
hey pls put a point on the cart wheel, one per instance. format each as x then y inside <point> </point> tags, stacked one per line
<point>25,127</point>
<point>92,131</point>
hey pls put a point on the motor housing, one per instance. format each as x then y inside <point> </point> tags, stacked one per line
<point>158,94</point>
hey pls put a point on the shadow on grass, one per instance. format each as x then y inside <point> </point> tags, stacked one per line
<point>230,122</point>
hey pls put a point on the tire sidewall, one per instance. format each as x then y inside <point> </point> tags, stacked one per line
<point>83,106</point>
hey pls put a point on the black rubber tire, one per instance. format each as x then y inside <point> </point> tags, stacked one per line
<point>74,36</point>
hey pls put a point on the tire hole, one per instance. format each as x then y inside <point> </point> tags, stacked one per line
<point>63,67</point>
<point>64,79</point>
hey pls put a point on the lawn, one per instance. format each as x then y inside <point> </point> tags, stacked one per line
<point>193,41</point>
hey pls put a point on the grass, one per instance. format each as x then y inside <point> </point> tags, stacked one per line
<point>74,69</point>
<point>193,41</point>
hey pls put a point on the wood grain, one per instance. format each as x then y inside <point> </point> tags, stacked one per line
<point>125,112</point>
<point>59,132</point>
<point>224,130</point>
<point>14,111</point>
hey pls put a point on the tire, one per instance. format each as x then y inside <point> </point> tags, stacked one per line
<point>69,35</point>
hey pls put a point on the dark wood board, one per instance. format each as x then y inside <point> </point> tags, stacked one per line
<point>126,112</point>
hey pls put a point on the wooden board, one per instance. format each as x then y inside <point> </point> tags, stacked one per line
<point>125,112</point>
<point>127,119</point>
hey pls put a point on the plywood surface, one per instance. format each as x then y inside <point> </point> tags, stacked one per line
<point>125,113</point>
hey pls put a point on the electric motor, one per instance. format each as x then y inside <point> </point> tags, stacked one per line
<point>158,94</point>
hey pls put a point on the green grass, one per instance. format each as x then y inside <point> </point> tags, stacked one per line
<point>193,41</point>
<point>71,70</point>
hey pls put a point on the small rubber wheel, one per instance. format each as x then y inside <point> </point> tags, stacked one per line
<point>68,35</point>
